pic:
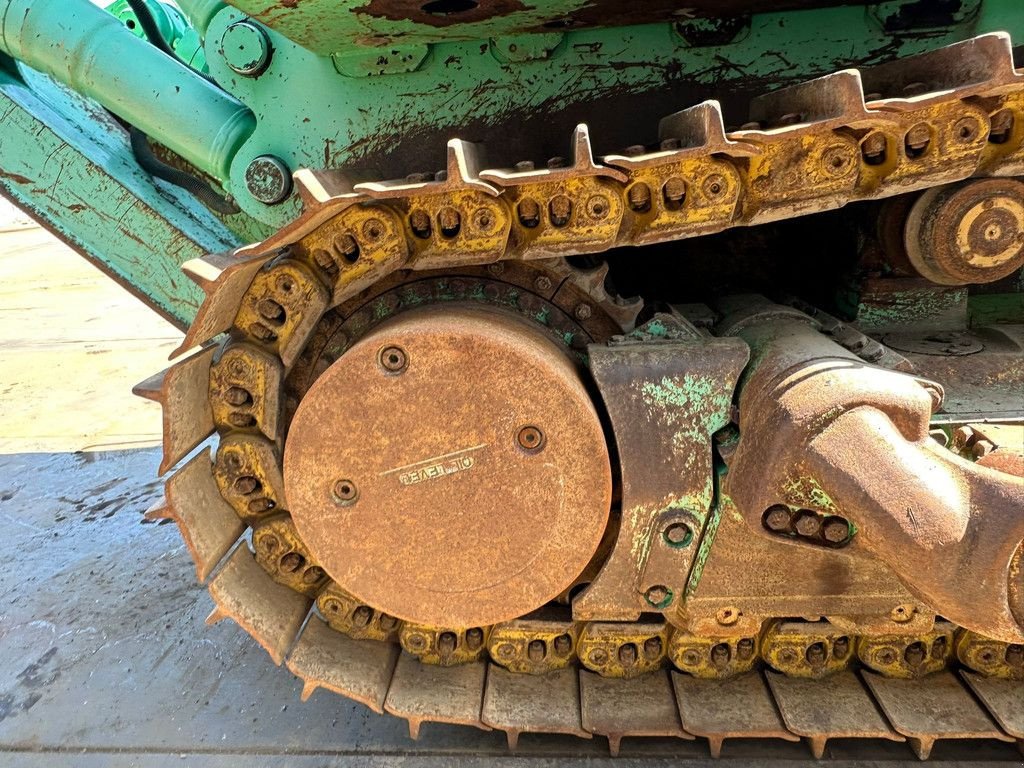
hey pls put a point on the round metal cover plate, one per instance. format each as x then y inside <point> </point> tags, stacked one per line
<point>450,468</point>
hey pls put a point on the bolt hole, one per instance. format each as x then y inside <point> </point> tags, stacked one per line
<point>131,24</point>
<point>448,7</point>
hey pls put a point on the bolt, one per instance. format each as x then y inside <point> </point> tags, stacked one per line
<point>727,616</point>
<point>556,162</point>
<point>241,420</point>
<point>496,269</point>
<point>597,207</point>
<point>902,613</point>
<point>582,312</point>
<point>841,647</point>
<point>778,518</point>
<point>246,484</point>
<point>563,645</point>
<point>292,562</point>
<point>529,213</point>
<point>373,229</point>
<point>270,310</point>
<point>914,89</point>
<point>678,535</point>
<point>345,491</point>
<point>325,261</point>
<point>872,148</point>
<point>331,605</point>
<point>721,655</point>
<point>815,654</point>
<point>446,643</point>
<point>634,150</point>
<point>745,648</point>
<point>967,129</point>
<point>669,145</point>
<point>1014,655</point>
<point>674,192</point>
<point>313,574</point>
<point>836,530</point>
<point>536,651</point>
<point>246,48</point>
<point>939,646</point>
<point>416,642</point>
<point>441,176</point>
<point>419,223</point>
<point>790,118</point>
<point>449,220</point>
<point>627,654</point>
<point>914,655</point>
<point>917,140</point>
<point>346,246</point>
<point>506,650</point>
<point>691,658</point>
<point>808,523</point>
<point>1000,126</point>
<point>885,656</point>
<point>542,283</point>
<point>658,596</point>
<point>387,623</point>
<point>598,657</point>
<point>525,165</point>
<point>530,439</point>
<point>483,219</point>
<point>393,359</point>
<point>559,209</point>
<point>639,196</point>
<point>652,648</point>
<point>237,396</point>
<point>260,505</point>
<point>268,180</point>
<point>714,186</point>
<point>262,332</point>
<point>787,656</point>
<point>474,638</point>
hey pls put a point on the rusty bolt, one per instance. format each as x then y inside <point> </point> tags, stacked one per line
<point>387,622</point>
<point>633,150</point>
<point>1014,655</point>
<point>807,523</point>
<point>345,491</point>
<point>691,658</point>
<point>727,616</point>
<point>559,209</point>
<point>914,655</point>
<point>536,651</point>
<point>753,125</point>
<point>598,657</point>
<point>346,247</point>
<point>597,207</point>
<point>416,642</point>
<point>247,484</point>
<point>815,654</point>
<point>583,312</point>
<point>525,165</point>
<point>260,505</point>
<point>872,148</point>
<point>270,543</point>
<point>714,186</point>
<point>530,439</point>
<point>495,269</point>
<point>556,162</point>
<point>674,192</point>
<point>652,648</point>
<point>914,89</point>
<point>237,396</point>
<point>836,530</point>
<point>721,655</point>
<point>441,175</point>
<point>885,656</point>
<point>419,223</point>
<point>668,145</point>
<point>627,654</point>
<point>325,261</point>
<point>506,651</point>
<point>474,638</point>
<point>563,645</point>
<point>393,359</point>
<point>529,213</point>
<point>841,647</point>
<point>291,562</point>
<point>1000,126</point>
<point>678,535</point>
<point>778,518</point>
<point>917,140</point>
<point>261,332</point>
<point>483,219</point>
<point>313,574</point>
<point>542,283</point>
<point>745,648</point>
<point>449,220</point>
<point>446,643</point>
<point>639,196</point>
<point>331,605</point>
<point>967,129</point>
<point>902,613</point>
<point>658,596</point>
<point>241,420</point>
<point>373,229</point>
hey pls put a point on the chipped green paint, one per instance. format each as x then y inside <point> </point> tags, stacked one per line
<point>707,541</point>
<point>807,492</point>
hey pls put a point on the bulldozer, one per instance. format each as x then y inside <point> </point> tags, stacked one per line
<point>574,367</point>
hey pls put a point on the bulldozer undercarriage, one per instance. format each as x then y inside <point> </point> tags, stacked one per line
<point>457,480</point>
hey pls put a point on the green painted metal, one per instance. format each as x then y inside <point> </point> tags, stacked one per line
<point>174,26</point>
<point>88,49</point>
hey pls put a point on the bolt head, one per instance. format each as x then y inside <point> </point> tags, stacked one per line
<point>836,530</point>
<point>598,657</point>
<point>807,523</point>
<point>678,534</point>
<point>658,596</point>
<point>345,492</point>
<point>530,439</point>
<point>268,180</point>
<point>393,359</point>
<point>246,48</point>
<point>778,518</point>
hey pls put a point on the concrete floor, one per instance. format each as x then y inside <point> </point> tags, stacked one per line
<point>104,657</point>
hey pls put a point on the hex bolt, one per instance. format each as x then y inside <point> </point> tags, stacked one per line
<point>536,651</point>
<point>450,221</point>
<point>807,523</point>
<point>291,562</point>
<point>313,574</point>
<point>815,654</point>
<point>260,505</point>
<point>393,359</point>
<point>691,658</point>
<point>268,180</point>
<point>474,638</point>
<point>529,213</point>
<point>237,396</point>
<point>246,484</point>
<point>745,648</point>
<point>841,647</point>
<point>1000,126</point>
<point>246,48</point>
<point>917,140</point>
<point>873,148</point>
<point>446,643</point>
<point>639,197</point>
<point>778,518</point>
<point>582,312</point>
<point>653,648</point>
<point>836,530</point>
<point>419,223</point>
<point>262,332</point>
<point>345,491</point>
<point>270,310</point>
<point>914,655</point>
<point>542,283</point>
<point>241,420</point>
<point>362,616</point>
<point>674,192</point>
<point>524,166</point>
<point>325,261</point>
<point>563,645</point>
<point>627,654</point>
<point>678,535</point>
<point>658,596</point>
<point>598,657</point>
<point>556,162</point>
<point>633,150</point>
<point>559,210</point>
<point>530,439</point>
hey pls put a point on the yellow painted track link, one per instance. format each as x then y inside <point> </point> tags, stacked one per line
<point>914,124</point>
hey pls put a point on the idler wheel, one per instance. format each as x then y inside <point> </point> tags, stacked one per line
<point>450,468</point>
<point>967,233</point>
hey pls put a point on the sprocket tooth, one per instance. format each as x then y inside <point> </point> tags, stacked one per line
<point>207,523</point>
<point>270,612</point>
<point>422,693</point>
<point>517,703</point>
<point>642,706</point>
<point>224,277</point>
<point>622,311</point>
<point>181,391</point>
<point>708,709</point>
<point>360,670</point>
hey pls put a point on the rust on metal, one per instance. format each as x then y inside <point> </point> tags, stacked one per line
<point>245,390</point>
<point>643,706</point>
<point>548,703</point>
<point>1004,699</point>
<point>422,693</point>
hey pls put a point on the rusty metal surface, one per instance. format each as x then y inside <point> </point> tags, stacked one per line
<point>935,707</point>
<point>835,707</point>
<point>246,594</point>
<point>1004,700</point>
<point>665,399</point>
<point>187,417</point>
<point>360,670</point>
<point>737,708</point>
<point>644,706</point>
<point>443,554</point>
<point>518,704</point>
<point>423,693</point>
